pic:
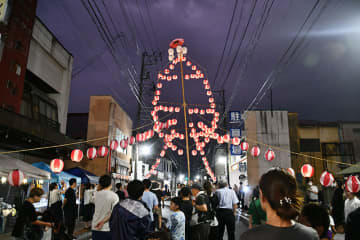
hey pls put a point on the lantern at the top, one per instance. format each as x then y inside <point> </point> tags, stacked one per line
<point>244,146</point>
<point>307,171</point>
<point>57,165</point>
<point>91,153</point>
<point>352,184</point>
<point>269,155</point>
<point>326,179</point>
<point>77,155</point>
<point>255,151</point>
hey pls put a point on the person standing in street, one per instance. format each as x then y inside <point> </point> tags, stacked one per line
<point>315,216</point>
<point>187,208</point>
<point>352,230</point>
<point>313,193</point>
<point>55,202</point>
<point>158,212</point>
<point>226,212</point>
<point>281,202</point>
<point>257,215</point>
<point>151,201</point>
<point>120,191</point>
<point>338,205</point>
<point>201,229</point>
<point>351,203</point>
<point>176,225</point>
<point>214,204</point>
<point>131,218</point>
<point>89,206</point>
<point>105,200</point>
<point>70,208</point>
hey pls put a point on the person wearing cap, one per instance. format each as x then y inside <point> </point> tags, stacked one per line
<point>201,230</point>
<point>227,210</point>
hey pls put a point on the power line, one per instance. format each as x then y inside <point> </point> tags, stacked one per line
<point>151,25</point>
<point>145,28</point>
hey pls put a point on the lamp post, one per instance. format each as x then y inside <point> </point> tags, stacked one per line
<point>145,151</point>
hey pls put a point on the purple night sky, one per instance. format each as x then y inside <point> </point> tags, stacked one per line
<point>322,81</point>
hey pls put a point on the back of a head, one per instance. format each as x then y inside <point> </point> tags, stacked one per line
<point>72,181</point>
<point>105,181</point>
<point>36,192</point>
<point>208,187</point>
<point>176,200</point>
<point>185,192</point>
<point>279,188</point>
<point>135,189</point>
<point>223,184</point>
<point>118,186</point>
<point>147,183</point>
<point>52,186</point>
<point>316,216</point>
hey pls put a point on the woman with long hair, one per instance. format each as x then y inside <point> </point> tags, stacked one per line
<point>280,200</point>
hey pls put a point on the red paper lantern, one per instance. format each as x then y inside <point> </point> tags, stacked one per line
<point>202,152</point>
<point>102,151</point>
<point>168,78</point>
<point>193,67</point>
<point>159,85</point>
<point>132,140</point>
<point>191,111</point>
<point>202,112</point>
<point>211,100</point>
<point>76,155</point>
<point>207,87</point>
<point>159,76</point>
<point>212,105</point>
<point>175,77</point>
<point>188,63</point>
<point>307,171</point>
<point>192,76</point>
<point>171,109</point>
<point>177,109</point>
<point>217,114</point>
<point>352,184</point>
<point>123,144</point>
<point>180,152</point>
<point>255,151</point>
<point>182,136</point>
<point>171,66</point>
<point>154,103</point>
<point>291,171</point>
<point>198,72</point>
<point>220,140</point>
<point>114,145</point>
<point>196,110</point>
<point>269,155</point>
<point>174,147</point>
<point>244,146</point>
<point>166,71</point>
<point>235,141</point>
<point>16,178</point>
<point>326,179</point>
<point>191,124</point>
<point>187,76</point>
<point>194,152</point>
<point>56,165</point>
<point>162,153</point>
<point>205,82</point>
<point>208,93</point>
<point>91,153</point>
<point>161,135</point>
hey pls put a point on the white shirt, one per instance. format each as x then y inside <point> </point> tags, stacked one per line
<point>89,196</point>
<point>314,196</point>
<point>332,223</point>
<point>351,205</point>
<point>227,198</point>
<point>105,201</point>
<point>55,196</point>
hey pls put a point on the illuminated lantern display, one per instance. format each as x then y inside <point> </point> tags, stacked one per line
<point>102,151</point>
<point>194,152</point>
<point>157,108</point>
<point>171,66</point>
<point>169,78</point>
<point>157,92</point>
<point>307,171</point>
<point>352,184</point>
<point>244,146</point>
<point>171,109</point>
<point>226,138</point>
<point>212,105</point>
<point>202,153</point>
<point>175,77</point>
<point>182,136</point>
<point>162,153</point>
<point>235,141</point>
<point>180,152</point>
<point>16,178</point>
<point>159,85</point>
<point>177,109</point>
<point>174,122</point>
<point>326,179</point>
<point>156,98</point>
<point>208,93</point>
<point>114,145</point>
<point>198,72</point>
<point>196,110</point>
<point>188,63</point>
<point>269,155</point>
<point>154,103</point>
<point>191,124</point>
<point>91,153</point>
<point>220,140</point>
<point>187,76</point>
<point>159,76</point>
<point>193,76</point>
<point>56,165</point>
<point>191,111</point>
<point>174,147</point>
<point>202,112</point>
<point>211,100</point>
<point>139,137</point>
<point>193,67</point>
<point>206,82</point>
<point>291,171</point>
<point>202,75</point>
<point>255,151</point>
<point>166,71</point>
<point>166,108</point>
<point>76,155</point>
<point>123,144</point>
<point>161,135</point>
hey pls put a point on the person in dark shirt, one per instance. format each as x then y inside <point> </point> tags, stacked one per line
<point>120,191</point>
<point>338,205</point>
<point>26,221</point>
<point>280,200</point>
<point>187,208</point>
<point>70,208</point>
<point>155,188</point>
<point>352,229</point>
<point>315,216</point>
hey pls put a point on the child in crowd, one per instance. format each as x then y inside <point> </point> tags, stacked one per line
<point>315,216</point>
<point>176,225</point>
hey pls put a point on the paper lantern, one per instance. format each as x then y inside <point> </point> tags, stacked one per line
<point>180,152</point>
<point>202,75</point>
<point>171,109</point>
<point>139,137</point>
<point>352,184</point>
<point>192,76</point>
<point>174,147</point>
<point>326,179</point>
<point>220,140</point>
<point>91,153</point>
<point>102,151</point>
<point>208,93</point>
<point>154,103</point>
<point>123,144</point>
<point>191,124</point>
<point>191,111</point>
<point>202,153</point>
<point>177,109</point>
<point>132,140</point>
<point>235,141</point>
<point>57,165</point>
<point>159,85</point>
<point>161,134</point>
<point>168,78</point>
<point>187,76</point>
<point>202,112</point>
<point>182,136</point>
<point>194,152</point>
<point>255,151</point>
<point>244,146</point>
<point>291,171</point>
<point>307,171</point>
<point>171,66</point>
<point>205,82</point>
<point>159,76</point>
<point>162,153</point>
<point>114,145</point>
<point>196,110</point>
<point>16,178</point>
<point>211,100</point>
<point>269,155</point>
<point>175,77</point>
<point>188,63</point>
<point>76,155</point>
<point>166,71</point>
<point>193,67</point>
<point>212,105</point>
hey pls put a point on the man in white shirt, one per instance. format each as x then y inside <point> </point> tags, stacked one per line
<point>313,192</point>
<point>151,201</point>
<point>104,200</point>
<point>351,203</point>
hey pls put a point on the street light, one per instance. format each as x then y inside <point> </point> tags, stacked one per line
<point>197,177</point>
<point>222,160</point>
<point>181,177</point>
<point>145,150</point>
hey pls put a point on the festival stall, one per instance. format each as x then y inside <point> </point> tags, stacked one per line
<point>86,177</point>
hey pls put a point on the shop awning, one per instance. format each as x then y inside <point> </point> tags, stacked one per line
<point>86,177</point>
<point>350,170</point>
<point>56,177</point>
<point>8,164</point>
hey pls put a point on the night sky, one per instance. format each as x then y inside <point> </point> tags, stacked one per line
<point>321,81</point>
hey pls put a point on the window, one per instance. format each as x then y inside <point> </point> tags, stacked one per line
<point>310,145</point>
<point>48,110</point>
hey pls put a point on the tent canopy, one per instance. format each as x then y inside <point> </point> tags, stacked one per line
<point>86,177</point>
<point>8,164</point>
<point>56,177</point>
<point>350,170</point>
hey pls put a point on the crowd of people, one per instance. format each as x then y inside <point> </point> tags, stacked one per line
<point>198,212</point>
